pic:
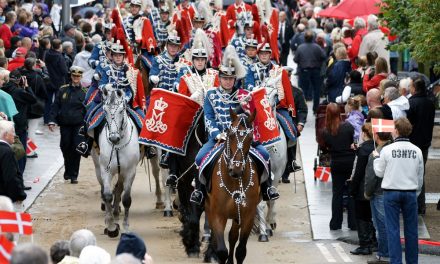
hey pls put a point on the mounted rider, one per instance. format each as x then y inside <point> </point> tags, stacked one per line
<point>102,48</point>
<point>250,58</point>
<point>161,28</point>
<point>139,29</point>
<point>200,78</point>
<point>217,103</point>
<point>122,76</point>
<point>266,73</point>
<point>240,38</point>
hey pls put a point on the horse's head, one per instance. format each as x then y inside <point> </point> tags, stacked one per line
<point>272,96</point>
<point>115,112</point>
<point>238,142</point>
<point>243,19</point>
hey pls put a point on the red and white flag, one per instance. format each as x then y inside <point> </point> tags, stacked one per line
<point>6,247</point>
<point>30,146</point>
<point>382,125</point>
<point>14,222</point>
<point>323,173</point>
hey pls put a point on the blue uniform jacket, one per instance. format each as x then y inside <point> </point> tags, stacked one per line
<point>164,68</point>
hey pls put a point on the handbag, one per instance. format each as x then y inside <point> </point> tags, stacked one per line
<point>18,148</point>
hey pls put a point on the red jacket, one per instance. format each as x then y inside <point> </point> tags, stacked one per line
<point>374,82</point>
<point>6,35</point>
<point>355,45</point>
<point>16,63</point>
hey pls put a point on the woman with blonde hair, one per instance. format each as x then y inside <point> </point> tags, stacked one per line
<point>336,76</point>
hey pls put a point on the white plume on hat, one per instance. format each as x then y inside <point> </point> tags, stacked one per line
<point>264,10</point>
<point>201,40</point>
<point>230,56</point>
<point>204,10</point>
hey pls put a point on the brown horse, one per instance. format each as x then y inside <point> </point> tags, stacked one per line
<point>235,190</point>
<point>145,72</point>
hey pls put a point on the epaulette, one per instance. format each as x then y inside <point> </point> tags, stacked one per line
<point>65,86</point>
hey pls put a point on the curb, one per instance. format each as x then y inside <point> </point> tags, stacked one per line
<point>423,248</point>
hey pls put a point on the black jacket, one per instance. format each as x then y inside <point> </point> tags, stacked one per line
<point>37,85</point>
<point>23,98</point>
<point>56,66</point>
<point>358,180</point>
<point>68,108</point>
<point>11,180</point>
<point>373,184</point>
<point>339,145</point>
<point>288,34</point>
<point>421,114</point>
<point>300,105</point>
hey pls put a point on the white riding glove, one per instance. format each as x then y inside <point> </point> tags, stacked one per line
<point>154,79</point>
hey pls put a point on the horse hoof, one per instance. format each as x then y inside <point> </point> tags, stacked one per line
<point>273,226</point>
<point>263,238</point>
<point>168,213</point>
<point>193,255</point>
<point>205,239</point>
<point>160,206</point>
<point>175,205</point>
<point>102,207</point>
<point>269,232</point>
<point>113,233</point>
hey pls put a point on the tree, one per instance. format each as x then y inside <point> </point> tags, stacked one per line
<point>417,23</point>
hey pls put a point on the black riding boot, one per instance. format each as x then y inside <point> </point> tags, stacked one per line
<point>172,176</point>
<point>163,163</point>
<point>269,192</point>
<point>150,152</point>
<point>291,160</point>
<point>364,234</point>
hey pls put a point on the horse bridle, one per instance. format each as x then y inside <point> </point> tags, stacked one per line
<point>233,130</point>
<point>111,120</point>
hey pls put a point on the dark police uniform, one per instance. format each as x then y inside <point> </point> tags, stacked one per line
<point>68,112</point>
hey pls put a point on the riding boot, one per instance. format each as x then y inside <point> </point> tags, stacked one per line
<point>269,192</point>
<point>84,148</point>
<point>172,165</point>
<point>291,160</point>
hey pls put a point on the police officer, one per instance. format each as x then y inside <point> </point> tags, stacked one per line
<point>68,112</point>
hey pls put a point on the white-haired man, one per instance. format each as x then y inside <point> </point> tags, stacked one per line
<point>11,180</point>
<point>360,28</point>
<point>79,240</point>
<point>375,40</point>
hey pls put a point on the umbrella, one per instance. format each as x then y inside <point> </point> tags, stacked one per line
<point>84,10</point>
<point>353,8</point>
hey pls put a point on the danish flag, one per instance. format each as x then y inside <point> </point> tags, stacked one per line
<point>382,125</point>
<point>322,173</point>
<point>6,247</point>
<point>31,147</point>
<point>14,222</point>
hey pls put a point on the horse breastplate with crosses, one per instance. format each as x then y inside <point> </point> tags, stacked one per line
<point>162,31</point>
<point>167,71</point>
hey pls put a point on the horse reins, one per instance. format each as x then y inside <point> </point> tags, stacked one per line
<point>239,196</point>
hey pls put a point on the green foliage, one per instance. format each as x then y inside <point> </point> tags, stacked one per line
<point>417,23</point>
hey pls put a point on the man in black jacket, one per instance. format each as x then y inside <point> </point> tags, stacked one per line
<point>68,112</point>
<point>421,114</point>
<point>285,33</point>
<point>57,69</point>
<point>23,97</point>
<point>11,180</point>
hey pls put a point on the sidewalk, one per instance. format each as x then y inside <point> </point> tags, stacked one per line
<point>40,171</point>
<point>319,194</point>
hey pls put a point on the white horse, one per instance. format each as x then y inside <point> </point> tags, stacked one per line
<point>118,155</point>
<point>278,159</point>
